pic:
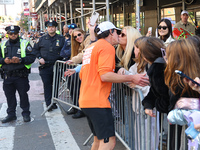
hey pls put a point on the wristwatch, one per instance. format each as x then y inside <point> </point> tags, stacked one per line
<point>39,58</point>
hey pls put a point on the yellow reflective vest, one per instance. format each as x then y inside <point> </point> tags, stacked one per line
<point>23,45</point>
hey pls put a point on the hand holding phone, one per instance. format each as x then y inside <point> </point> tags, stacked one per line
<point>94,18</point>
<point>150,31</point>
<point>185,76</point>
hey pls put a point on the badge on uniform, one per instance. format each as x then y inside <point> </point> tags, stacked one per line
<point>12,27</point>
<point>57,43</point>
<point>29,48</point>
<point>19,51</point>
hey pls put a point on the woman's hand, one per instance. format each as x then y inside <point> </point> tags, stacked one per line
<point>131,85</point>
<point>121,71</point>
<point>150,112</point>
<point>69,72</point>
<point>69,62</point>
<point>195,87</point>
<point>197,127</point>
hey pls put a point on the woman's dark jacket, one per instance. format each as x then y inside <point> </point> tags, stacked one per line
<point>158,95</point>
<point>177,96</point>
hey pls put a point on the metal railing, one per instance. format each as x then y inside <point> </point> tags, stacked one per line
<point>133,127</point>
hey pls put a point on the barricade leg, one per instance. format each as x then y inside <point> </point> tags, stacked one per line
<point>88,139</point>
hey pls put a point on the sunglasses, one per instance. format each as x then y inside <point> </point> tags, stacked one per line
<point>122,34</point>
<point>13,33</point>
<point>77,36</point>
<point>163,27</point>
<point>118,32</point>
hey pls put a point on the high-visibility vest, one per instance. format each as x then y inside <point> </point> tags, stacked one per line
<point>23,45</point>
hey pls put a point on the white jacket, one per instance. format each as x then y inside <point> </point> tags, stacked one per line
<point>169,40</point>
<point>145,90</point>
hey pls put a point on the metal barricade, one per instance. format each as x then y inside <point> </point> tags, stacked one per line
<point>135,129</point>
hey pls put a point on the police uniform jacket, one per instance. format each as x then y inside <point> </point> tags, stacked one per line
<point>14,50</point>
<point>66,50</point>
<point>49,48</point>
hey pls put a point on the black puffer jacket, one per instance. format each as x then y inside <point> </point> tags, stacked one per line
<point>158,95</point>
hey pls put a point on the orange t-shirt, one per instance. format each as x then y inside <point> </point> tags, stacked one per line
<point>98,59</point>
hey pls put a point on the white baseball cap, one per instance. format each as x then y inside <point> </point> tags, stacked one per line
<point>104,26</point>
<point>184,12</point>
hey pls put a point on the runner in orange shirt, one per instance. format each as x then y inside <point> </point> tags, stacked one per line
<point>97,75</point>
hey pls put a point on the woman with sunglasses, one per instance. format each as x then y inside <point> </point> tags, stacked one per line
<point>125,49</point>
<point>79,42</point>
<point>165,31</point>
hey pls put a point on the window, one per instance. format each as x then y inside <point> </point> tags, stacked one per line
<point>169,13</point>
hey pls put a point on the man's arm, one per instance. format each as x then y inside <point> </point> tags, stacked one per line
<point>138,79</point>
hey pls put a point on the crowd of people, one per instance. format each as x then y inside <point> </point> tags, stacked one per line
<point>107,55</point>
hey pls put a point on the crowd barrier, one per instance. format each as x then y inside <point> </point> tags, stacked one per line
<point>135,129</point>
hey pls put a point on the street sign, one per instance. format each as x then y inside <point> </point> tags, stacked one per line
<point>6,2</point>
<point>34,15</point>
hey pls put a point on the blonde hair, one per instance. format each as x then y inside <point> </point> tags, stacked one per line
<point>74,44</point>
<point>181,55</point>
<point>132,34</point>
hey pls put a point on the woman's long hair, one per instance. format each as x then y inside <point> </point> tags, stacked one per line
<point>74,44</point>
<point>181,55</point>
<point>150,48</point>
<point>141,62</point>
<point>169,26</point>
<point>125,55</point>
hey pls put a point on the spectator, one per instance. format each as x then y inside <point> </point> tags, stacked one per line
<point>181,55</point>
<point>79,41</point>
<point>96,75</point>
<point>165,31</point>
<point>140,67</point>
<point>125,49</point>
<point>65,30</point>
<point>66,50</point>
<point>125,59</point>
<point>150,49</point>
<point>184,24</point>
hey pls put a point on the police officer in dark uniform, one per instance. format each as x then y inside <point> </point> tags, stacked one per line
<point>16,57</point>
<point>47,49</point>
<point>66,50</point>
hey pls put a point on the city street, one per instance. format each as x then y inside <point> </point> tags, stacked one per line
<point>53,131</point>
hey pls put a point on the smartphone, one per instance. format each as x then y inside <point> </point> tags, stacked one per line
<point>185,76</point>
<point>150,31</point>
<point>94,18</point>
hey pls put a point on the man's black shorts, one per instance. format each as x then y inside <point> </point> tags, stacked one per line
<point>101,122</point>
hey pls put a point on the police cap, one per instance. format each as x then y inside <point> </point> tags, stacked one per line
<point>12,29</point>
<point>51,23</point>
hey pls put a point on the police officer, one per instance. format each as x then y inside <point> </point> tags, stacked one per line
<point>16,57</point>
<point>66,50</point>
<point>47,49</point>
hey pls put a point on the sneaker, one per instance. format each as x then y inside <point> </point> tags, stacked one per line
<point>79,114</point>
<point>9,119</point>
<point>27,118</point>
<point>72,111</point>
